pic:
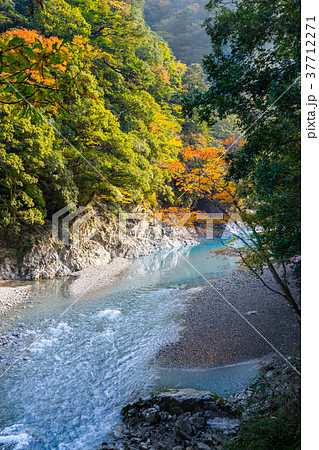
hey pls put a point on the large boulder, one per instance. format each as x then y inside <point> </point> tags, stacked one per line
<point>178,419</point>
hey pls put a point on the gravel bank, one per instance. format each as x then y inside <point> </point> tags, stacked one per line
<point>95,278</point>
<point>87,280</point>
<point>215,334</point>
<point>12,296</point>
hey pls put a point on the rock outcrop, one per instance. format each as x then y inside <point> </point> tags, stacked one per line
<point>176,419</point>
<point>50,259</point>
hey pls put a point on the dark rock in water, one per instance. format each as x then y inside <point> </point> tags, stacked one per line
<point>150,416</point>
<point>194,420</point>
<point>197,421</point>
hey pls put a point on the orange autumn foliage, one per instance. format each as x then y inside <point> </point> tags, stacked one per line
<point>176,216</point>
<point>45,55</point>
<point>162,73</point>
<point>202,171</point>
<point>231,142</point>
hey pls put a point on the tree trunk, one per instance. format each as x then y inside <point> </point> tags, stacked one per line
<point>286,292</point>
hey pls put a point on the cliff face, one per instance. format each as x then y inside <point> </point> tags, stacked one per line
<point>49,258</point>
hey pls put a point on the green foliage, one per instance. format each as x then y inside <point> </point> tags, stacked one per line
<point>254,71</point>
<point>110,90</point>
<point>9,18</point>
<point>32,174</point>
<point>60,18</point>
<point>224,128</point>
<point>269,434</point>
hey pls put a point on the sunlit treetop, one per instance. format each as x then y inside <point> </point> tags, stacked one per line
<point>32,70</point>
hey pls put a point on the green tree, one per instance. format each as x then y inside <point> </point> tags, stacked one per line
<point>34,178</point>
<point>258,80</point>
<point>60,18</point>
<point>123,110</point>
<point>9,18</point>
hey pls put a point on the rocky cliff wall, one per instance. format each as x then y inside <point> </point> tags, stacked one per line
<point>49,258</point>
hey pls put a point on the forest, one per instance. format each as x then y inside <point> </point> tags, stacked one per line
<point>110,90</point>
<point>180,23</point>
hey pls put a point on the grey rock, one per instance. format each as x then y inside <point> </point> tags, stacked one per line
<point>197,421</point>
<point>250,313</point>
<point>163,415</point>
<point>182,430</point>
<point>150,416</point>
<point>203,446</point>
<point>50,259</point>
<point>118,433</point>
<point>224,425</point>
<point>182,395</point>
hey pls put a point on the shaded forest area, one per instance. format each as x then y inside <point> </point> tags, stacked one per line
<point>180,23</point>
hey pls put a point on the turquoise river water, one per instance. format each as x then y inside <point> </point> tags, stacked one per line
<point>67,391</point>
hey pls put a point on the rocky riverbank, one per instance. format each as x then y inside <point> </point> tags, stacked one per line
<point>94,263</point>
<point>12,296</point>
<point>265,414</point>
<point>176,419</point>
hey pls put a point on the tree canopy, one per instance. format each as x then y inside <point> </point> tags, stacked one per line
<point>90,109</point>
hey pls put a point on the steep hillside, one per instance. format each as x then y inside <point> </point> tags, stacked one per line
<point>180,24</point>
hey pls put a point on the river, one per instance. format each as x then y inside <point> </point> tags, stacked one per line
<point>67,391</point>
